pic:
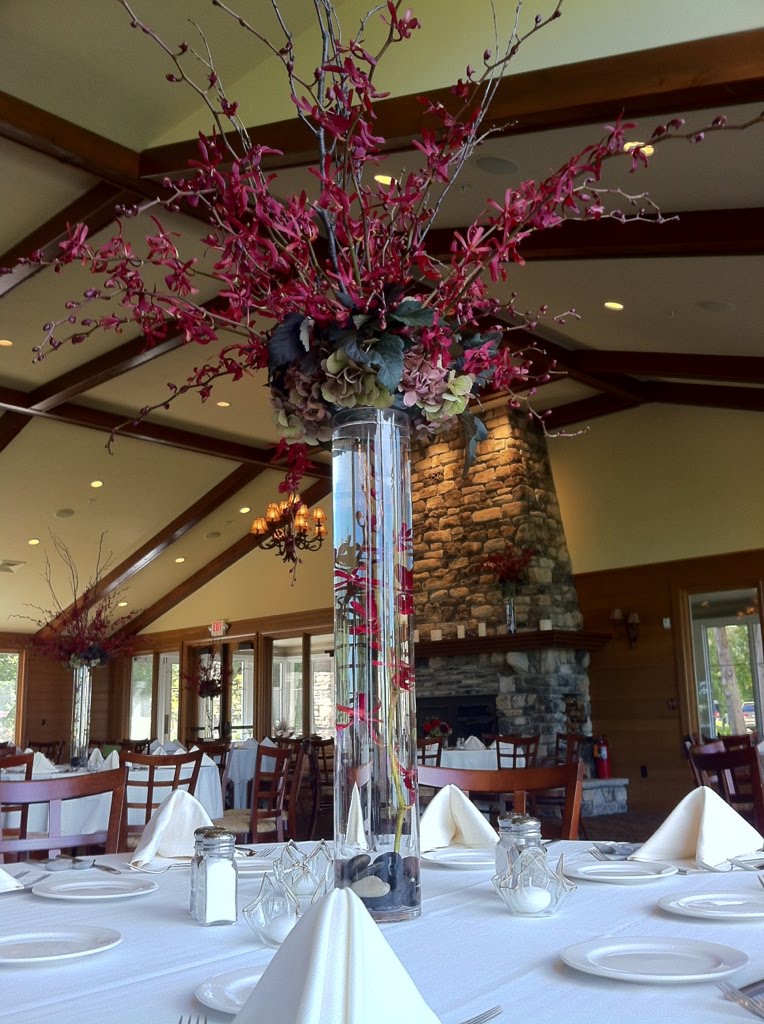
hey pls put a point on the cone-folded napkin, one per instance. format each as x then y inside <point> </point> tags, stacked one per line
<point>474,743</point>
<point>170,832</point>
<point>96,759</point>
<point>8,883</point>
<point>451,819</point>
<point>336,967</point>
<point>701,829</point>
<point>111,762</point>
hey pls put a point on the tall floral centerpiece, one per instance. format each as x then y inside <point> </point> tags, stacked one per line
<point>369,335</point>
<point>83,635</point>
<point>509,567</point>
<point>206,682</point>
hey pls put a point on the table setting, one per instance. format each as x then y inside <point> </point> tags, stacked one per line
<point>641,952</point>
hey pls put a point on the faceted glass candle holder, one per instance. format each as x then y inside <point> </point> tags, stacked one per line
<point>307,876</point>
<point>273,913</point>
<point>531,888</point>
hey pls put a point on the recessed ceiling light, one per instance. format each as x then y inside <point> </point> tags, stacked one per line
<point>179,560</point>
<point>646,149</point>
<point>64,513</point>
<point>714,306</point>
<point>6,343</point>
<point>33,541</point>
<point>96,483</point>
<point>497,165</point>
<point>121,604</point>
<point>613,305</point>
<point>224,405</point>
<point>244,509</point>
<point>212,535</point>
<point>384,179</point>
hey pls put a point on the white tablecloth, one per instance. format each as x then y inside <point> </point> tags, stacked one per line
<point>455,758</point>
<point>90,813</point>
<point>465,953</point>
<point>241,771</point>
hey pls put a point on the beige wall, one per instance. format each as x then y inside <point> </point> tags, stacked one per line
<point>660,482</point>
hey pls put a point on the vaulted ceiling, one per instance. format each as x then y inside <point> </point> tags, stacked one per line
<point>86,122</point>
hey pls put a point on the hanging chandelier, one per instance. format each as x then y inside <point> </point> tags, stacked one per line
<point>289,527</point>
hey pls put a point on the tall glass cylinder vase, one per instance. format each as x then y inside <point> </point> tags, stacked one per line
<point>376,821</point>
<point>82,693</point>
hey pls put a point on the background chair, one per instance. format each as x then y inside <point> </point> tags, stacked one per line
<point>220,752</point>
<point>299,760</point>
<point>265,816</point>
<point>53,749</point>
<point>135,746</point>
<point>429,751</point>
<point>519,783</point>
<point>511,749</point>
<point>56,793</point>
<point>148,788</point>
<point>736,775</point>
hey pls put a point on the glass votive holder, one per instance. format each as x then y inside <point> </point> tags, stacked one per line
<point>306,875</point>
<point>274,911</point>
<point>531,888</point>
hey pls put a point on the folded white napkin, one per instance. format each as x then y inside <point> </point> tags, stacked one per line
<point>111,762</point>
<point>335,967</point>
<point>452,819</point>
<point>474,743</point>
<point>8,883</point>
<point>154,746</point>
<point>41,764</point>
<point>170,832</point>
<point>173,747</point>
<point>96,759</point>
<point>207,760</point>
<point>356,833</point>
<point>701,828</point>
<point>250,743</point>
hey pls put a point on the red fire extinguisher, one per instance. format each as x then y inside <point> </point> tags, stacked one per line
<point>602,759</point>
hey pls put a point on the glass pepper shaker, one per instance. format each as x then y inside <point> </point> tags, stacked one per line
<point>517,832</point>
<point>196,861</point>
<point>214,885</point>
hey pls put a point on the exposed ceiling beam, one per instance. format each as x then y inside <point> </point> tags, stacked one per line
<point>747,369</point>
<point>312,494</point>
<point>144,430</point>
<point>179,526</point>
<point>11,425</point>
<point>692,233</point>
<point>585,409</point>
<point>95,208</point>
<point>694,75</point>
<point>707,395</point>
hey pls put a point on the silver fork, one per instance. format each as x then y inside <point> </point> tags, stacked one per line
<point>199,1020</point>
<point>753,1004</point>
<point>598,854</point>
<point>481,1018</point>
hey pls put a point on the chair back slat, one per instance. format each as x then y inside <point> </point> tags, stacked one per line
<point>178,771</point>
<point>430,751</point>
<point>511,749</point>
<point>736,775</point>
<point>53,749</point>
<point>519,782</point>
<point>269,788</point>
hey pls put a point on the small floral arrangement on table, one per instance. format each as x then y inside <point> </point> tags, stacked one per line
<point>282,729</point>
<point>86,631</point>
<point>436,728</point>
<point>207,680</point>
<point>509,566</point>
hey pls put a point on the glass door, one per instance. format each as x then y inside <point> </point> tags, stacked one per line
<point>168,696</point>
<point>728,661</point>
<point>286,687</point>
<point>141,686</point>
<point>322,686</point>
<point>242,709</point>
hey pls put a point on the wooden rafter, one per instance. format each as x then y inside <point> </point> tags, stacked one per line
<point>708,395</point>
<point>172,532</point>
<point>693,75</point>
<point>145,430</point>
<point>11,425</point>
<point>693,365</point>
<point>312,494</point>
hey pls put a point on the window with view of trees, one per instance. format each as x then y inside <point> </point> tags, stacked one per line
<point>9,688</point>
<point>141,687</point>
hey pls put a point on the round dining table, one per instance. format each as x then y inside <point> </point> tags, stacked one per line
<point>465,953</point>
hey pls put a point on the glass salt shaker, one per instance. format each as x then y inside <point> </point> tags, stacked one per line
<point>517,832</point>
<point>195,864</point>
<point>216,878</point>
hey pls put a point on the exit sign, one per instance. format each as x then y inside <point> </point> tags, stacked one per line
<point>219,627</point>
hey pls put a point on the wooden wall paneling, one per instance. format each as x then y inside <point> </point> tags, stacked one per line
<point>101,701</point>
<point>307,684</point>
<point>48,700</point>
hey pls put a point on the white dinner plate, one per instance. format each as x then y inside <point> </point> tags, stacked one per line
<point>475,857</point>
<point>620,872</point>
<point>731,905</point>
<point>56,944</point>
<point>93,888</point>
<point>229,992</point>
<point>654,961</point>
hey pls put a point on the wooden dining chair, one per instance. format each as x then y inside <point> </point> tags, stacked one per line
<point>135,746</point>
<point>299,762</point>
<point>7,749</point>
<point>218,751</point>
<point>24,765</point>
<point>736,775</point>
<point>430,751</point>
<point>53,749</point>
<point>265,817</point>
<point>56,793</point>
<point>519,783</point>
<point>511,749</point>
<point>152,777</point>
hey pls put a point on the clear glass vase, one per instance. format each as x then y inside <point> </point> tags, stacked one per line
<point>82,694</point>
<point>376,821</point>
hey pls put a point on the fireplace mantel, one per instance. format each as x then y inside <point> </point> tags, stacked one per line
<point>530,640</point>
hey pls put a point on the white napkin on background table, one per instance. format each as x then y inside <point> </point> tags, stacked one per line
<point>8,883</point>
<point>452,819</point>
<point>335,967</point>
<point>356,833</point>
<point>41,764</point>
<point>170,832</point>
<point>474,743</point>
<point>702,828</point>
<point>96,759</point>
<point>250,743</point>
<point>111,762</point>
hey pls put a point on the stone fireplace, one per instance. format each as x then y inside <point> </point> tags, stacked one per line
<point>537,678</point>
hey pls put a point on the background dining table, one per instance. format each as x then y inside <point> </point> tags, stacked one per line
<point>465,953</point>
